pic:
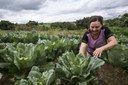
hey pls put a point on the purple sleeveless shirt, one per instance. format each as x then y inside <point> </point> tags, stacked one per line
<point>93,44</point>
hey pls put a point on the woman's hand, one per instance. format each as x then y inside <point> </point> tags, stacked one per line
<point>111,43</point>
<point>98,52</point>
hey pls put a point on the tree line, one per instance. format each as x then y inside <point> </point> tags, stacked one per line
<point>121,21</point>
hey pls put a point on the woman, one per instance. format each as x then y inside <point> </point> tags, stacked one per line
<point>97,39</point>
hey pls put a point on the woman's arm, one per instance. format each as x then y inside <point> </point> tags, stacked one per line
<point>111,43</point>
<point>83,49</point>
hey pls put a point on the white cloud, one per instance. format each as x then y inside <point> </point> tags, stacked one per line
<point>59,10</point>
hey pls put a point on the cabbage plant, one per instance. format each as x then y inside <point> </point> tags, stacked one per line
<point>36,77</point>
<point>74,69</point>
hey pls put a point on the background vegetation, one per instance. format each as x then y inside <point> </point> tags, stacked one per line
<point>121,21</point>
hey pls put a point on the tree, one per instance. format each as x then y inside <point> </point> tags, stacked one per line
<point>83,23</point>
<point>32,23</point>
<point>64,25</point>
<point>124,20</point>
<point>121,21</point>
<point>6,25</point>
<point>69,25</point>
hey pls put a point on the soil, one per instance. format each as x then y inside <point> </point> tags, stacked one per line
<point>113,76</point>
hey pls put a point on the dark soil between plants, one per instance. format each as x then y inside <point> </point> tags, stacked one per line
<point>113,76</point>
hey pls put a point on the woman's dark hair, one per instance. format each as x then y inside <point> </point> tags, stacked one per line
<point>95,18</point>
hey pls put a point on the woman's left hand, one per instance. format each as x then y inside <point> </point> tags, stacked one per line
<point>98,52</point>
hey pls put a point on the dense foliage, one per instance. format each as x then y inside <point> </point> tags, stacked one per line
<point>49,54</point>
<point>6,25</point>
<point>28,57</point>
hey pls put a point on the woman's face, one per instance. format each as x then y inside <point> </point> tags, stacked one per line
<point>95,27</point>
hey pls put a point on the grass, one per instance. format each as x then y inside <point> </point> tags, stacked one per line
<point>53,32</point>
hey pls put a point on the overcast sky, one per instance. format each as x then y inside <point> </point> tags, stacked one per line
<point>21,11</point>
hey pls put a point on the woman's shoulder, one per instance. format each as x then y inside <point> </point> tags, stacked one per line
<point>86,34</point>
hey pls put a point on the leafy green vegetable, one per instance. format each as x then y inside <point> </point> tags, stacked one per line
<point>76,69</point>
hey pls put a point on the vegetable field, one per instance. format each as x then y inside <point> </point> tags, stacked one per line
<point>32,58</point>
